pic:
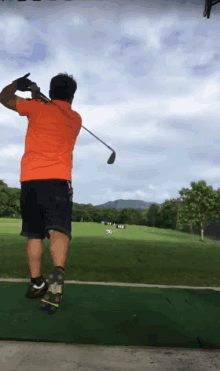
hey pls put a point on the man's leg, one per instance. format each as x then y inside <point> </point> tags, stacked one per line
<point>34,252</point>
<point>58,247</point>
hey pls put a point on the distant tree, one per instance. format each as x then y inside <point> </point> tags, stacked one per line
<point>152,214</point>
<point>198,204</point>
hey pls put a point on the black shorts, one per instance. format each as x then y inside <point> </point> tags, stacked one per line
<point>46,204</point>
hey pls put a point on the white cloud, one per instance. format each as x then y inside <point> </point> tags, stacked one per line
<point>211,89</point>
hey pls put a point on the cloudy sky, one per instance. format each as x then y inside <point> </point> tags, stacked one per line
<point>148,85</point>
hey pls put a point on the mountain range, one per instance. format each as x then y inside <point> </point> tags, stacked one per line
<point>122,204</point>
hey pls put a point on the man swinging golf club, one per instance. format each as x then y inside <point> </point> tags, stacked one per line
<point>46,166</point>
<point>46,190</point>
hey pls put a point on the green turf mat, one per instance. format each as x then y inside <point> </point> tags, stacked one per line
<point>113,315</point>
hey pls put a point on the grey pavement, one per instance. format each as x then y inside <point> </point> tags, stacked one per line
<point>30,356</point>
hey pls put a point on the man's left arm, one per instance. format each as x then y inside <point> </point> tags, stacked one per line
<point>8,97</point>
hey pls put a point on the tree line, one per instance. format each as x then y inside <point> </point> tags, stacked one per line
<point>194,211</point>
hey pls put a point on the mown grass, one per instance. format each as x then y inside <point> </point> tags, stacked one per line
<point>134,255</point>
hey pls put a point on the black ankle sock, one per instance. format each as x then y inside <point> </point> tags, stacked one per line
<point>37,280</point>
<point>60,268</point>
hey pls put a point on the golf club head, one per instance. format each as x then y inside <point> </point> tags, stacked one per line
<point>111,159</point>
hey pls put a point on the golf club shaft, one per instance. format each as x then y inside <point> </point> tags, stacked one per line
<point>48,100</point>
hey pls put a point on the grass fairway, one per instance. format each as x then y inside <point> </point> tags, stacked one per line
<point>134,255</point>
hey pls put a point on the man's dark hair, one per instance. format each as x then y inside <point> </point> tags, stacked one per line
<point>62,87</point>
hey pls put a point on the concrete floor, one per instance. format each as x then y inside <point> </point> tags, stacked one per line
<point>30,356</point>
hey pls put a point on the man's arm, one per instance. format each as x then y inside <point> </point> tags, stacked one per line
<point>9,90</point>
<point>8,97</point>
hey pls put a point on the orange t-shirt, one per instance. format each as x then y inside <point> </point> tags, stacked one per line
<point>49,141</point>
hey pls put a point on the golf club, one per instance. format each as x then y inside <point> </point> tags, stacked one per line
<point>111,159</point>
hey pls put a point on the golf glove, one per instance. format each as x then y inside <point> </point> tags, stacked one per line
<point>23,84</point>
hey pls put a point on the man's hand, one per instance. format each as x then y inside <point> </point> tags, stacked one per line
<point>34,87</point>
<point>23,84</point>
